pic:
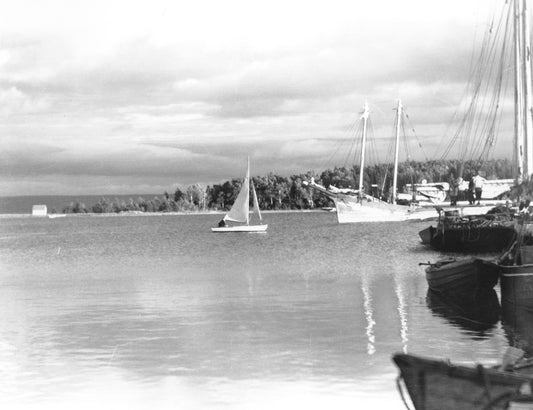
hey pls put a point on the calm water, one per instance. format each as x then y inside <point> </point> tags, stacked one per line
<point>158,312</point>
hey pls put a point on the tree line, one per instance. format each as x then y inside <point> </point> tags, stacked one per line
<point>276,192</point>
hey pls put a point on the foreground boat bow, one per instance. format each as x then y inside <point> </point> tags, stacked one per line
<point>439,385</point>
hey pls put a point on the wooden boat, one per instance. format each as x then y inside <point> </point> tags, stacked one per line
<point>240,211</point>
<point>467,276</point>
<point>439,385</point>
<point>516,269</point>
<point>491,232</point>
<point>476,314</point>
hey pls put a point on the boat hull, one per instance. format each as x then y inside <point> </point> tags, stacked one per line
<point>516,283</point>
<point>243,228</point>
<point>438,385</point>
<point>352,210</point>
<point>467,276</point>
<point>469,238</point>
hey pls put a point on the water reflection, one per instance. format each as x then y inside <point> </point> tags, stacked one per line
<point>517,321</point>
<point>400,294</point>
<point>369,315</point>
<point>476,315</point>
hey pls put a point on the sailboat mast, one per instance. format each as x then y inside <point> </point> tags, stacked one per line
<point>363,144</point>
<point>247,181</point>
<point>396,151</point>
<point>518,171</point>
<point>526,63</point>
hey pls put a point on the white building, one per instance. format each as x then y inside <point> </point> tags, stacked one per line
<point>39,210</point>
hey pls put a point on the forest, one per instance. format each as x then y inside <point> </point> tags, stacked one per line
<point>276,192</point>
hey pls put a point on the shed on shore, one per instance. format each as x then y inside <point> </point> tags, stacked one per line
<point>39,210</point>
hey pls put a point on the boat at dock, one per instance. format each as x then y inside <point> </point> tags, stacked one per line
<point>516,268</point>
<point>356,205</point>
<point>466,276</point>
<point>457,232</point>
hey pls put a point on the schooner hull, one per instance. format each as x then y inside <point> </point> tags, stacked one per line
<point>352,210</point>
<point>243,228</point>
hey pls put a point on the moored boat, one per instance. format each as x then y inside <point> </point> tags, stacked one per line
<point>466,276</point>
<point>516,266</point>
<point>490,232</point>
<point>354,206</point>
<point>440,385</point>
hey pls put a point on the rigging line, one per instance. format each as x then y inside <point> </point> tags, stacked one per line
<point>476,72</point>
<point>353,146</point>
<point>328,161</point>
<point>485,60</point>
<point>408,120</point>
<point>487,136</point>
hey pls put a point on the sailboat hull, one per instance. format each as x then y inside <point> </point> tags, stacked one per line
<point>243,228</point>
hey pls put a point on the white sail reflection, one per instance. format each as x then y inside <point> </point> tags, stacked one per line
<point>404,329</point>
<point>369,315</point>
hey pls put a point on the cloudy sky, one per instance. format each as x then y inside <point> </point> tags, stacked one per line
<point>141,97</point>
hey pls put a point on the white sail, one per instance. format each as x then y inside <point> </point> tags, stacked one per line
<point>256,202</point>
<point>240,211</point>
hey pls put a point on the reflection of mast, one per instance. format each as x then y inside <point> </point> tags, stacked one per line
<point>402,313</point>
<point>362,166</point>
<point>367,296</point>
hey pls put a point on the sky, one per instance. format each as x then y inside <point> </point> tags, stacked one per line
<point>118,97</point>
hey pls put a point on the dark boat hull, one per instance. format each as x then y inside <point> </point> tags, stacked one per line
<point>516,283</point>
<point>467,276</point>
<point>438,385</point>
<point>469,239</point>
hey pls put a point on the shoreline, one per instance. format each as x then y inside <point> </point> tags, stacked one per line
<point>138,213</point>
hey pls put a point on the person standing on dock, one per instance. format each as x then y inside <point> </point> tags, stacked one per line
<point>454,189</point>
<point>478,182</point>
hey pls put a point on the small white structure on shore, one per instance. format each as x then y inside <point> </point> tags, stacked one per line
<point>39,210</point>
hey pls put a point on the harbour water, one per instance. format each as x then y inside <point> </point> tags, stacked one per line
<point>156,311</point>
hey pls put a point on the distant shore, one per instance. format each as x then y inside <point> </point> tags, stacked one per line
<point>138,213</point>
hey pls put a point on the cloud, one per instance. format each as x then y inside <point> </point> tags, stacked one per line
<point>180,92</point>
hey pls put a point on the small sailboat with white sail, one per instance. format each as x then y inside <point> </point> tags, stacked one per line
<point>240,211</point>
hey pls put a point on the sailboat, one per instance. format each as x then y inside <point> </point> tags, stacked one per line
<point>240,211</point>
<point>358,206</point>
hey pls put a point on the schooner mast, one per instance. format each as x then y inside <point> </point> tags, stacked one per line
<point>396,151</point>
<point>363,147</point>
<point>523,98</point>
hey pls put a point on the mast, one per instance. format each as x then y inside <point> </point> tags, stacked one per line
<point>518,169</point>
<point>247,182</point>
<point>363,144</point>
<point>396,151</point>
<point>526,64</point>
